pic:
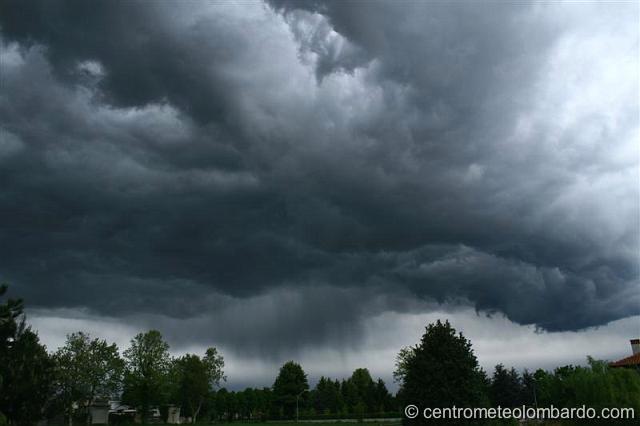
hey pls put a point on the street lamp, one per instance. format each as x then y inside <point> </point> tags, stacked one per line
<point>297,410</point>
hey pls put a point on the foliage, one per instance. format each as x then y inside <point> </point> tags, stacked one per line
<point>214,363</point>
<point>358,395</point>
<point>26,370</point>
<point>195,379</point>
<point>326,397</point>
<point>10,312</point>
<point>146,378</point>
<point>87,369</point>
<point>506,389</point>
<point>597,386</point>
<point>289,387</point>
<point>441,371</point>
<point>403,361</point>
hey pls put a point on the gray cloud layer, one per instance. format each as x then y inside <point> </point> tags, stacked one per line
<point>158,159</point>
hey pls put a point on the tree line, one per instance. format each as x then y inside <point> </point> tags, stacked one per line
<point>35,384</point>
<point>440,371</point>
<point>290,397</point>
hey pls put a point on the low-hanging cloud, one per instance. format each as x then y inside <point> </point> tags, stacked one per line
<point>160,160</point>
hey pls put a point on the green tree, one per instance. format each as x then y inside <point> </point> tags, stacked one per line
<point>364,387</point>
<point>289,388</point>
<point>529,392</point>
<point>324,398</point>
<point>147,372</point>
<point>383,401</point>
<point>86,369</point>
<point>10,313</point>
<point>214,363</point>
<point>196,379</point>
<point>441,371</point>
<point>506,389</point>
<point>26,370</point>
<point>596,386</point>
<point>263,403</point>
<point>349,394</point>
<point>221,406</point>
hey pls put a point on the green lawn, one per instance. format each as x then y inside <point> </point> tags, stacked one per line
<point>303,423</point>
<point>317,423</point>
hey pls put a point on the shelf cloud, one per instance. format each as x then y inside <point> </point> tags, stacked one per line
<point>242,172</point>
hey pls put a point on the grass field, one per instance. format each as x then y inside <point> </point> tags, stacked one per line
<point>372,422</point>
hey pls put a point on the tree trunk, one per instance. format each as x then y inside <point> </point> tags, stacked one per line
<point>196,412</point>
<point>145,413</point>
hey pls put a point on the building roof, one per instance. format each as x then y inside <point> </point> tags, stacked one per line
<point>630,361</point>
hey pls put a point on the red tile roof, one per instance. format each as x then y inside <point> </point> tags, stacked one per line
<point>630,361</point>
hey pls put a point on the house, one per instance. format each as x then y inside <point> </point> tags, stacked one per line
<point>120,413</point>
<point>632,361</point>
<point>99,412</point>
<point>123,414</point>
<point>173,415</point>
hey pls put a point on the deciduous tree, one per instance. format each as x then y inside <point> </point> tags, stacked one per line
<point>146,372</point>
<point>196,379</point>
<point>85,370</point>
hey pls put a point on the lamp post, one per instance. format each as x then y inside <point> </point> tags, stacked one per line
<point>297,410</point>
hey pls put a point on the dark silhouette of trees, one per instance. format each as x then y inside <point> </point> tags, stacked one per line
<point>382,400</point>
<point>506,389</point>
<point>26,370</point>
<point>441,371</point>
<point>326,397</point>
<point>289,389</point>
<point>194,380</point>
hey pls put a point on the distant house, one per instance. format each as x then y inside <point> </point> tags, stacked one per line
<point>632,361</point>
<point>124,414</point>
<point>99,412</point>
<point>173,415</point>
<point>120,413</point>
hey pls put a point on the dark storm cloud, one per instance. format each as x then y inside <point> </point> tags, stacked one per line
<point>157,158</point>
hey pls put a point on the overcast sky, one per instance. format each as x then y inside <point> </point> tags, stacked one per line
<point>318,180</point>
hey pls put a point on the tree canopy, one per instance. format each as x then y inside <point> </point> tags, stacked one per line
<point>147,371</point>
<point>441,371</point>
<point>87,369</point>
<point>26,370</point>
<point>506,389</point>
<point>288,387</point>
<point>196,378</point>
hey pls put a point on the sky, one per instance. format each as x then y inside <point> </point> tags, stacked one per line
<point>319,180</point>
